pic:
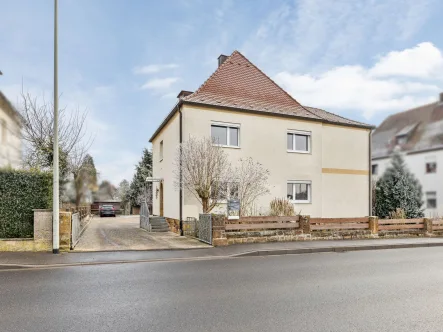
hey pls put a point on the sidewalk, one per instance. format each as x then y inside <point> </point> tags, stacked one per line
<point>33,259</point>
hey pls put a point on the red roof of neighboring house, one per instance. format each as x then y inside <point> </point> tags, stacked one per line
<point>239,84</point>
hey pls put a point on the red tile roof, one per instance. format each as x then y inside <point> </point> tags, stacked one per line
<point>239,84</point>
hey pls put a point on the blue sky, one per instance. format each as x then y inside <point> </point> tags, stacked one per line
<point>125,61</point>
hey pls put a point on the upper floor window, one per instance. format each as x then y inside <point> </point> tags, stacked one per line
<point>375,169</point>
<point>431,167</point>
<point>225,134</point>
<point>299,191</point>
<point>161,150</point>
<point>299,141</point>
<point>431,199</point>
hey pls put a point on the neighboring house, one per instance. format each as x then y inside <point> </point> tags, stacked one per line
<point>319,160</point>
<point>419,135</point>
<point>10,134</point>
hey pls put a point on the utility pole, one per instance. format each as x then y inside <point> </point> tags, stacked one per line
<point>55,170</point>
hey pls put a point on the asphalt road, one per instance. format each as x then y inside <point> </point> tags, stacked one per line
<point>391,290</point>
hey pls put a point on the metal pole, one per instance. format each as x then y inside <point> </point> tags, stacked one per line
<point>55,170</point>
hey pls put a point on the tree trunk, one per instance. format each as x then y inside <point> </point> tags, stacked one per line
<point>205,203</point>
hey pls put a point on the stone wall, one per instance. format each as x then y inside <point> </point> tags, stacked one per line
<point>174,225</point>
<point>257,231</point>
<point>42,240</point>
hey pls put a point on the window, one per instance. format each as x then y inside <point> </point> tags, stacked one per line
<point>431,167</point>
<point>161,150</point>
<point>431,199</point>
<point>402,139</point>
<point>225,134</point>
<point>226,191</point>
<point>375,169</point>
<point>299,141</point>
<point>299,191</point>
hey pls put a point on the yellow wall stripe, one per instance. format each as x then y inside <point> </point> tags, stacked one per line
<point>345,171</point>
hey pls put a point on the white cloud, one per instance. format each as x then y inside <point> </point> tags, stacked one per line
<point>159,83</point>
<point>423,61</point>
<point>320,33</point>
<point>151,69</point>
<point>370,91</point>
<point>170,95</point>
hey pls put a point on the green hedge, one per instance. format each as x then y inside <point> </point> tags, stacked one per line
<point>21,192</point>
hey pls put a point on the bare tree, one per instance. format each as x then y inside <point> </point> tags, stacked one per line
<point>38,133</point>
<point>252,180</point>
<point>202,168</point>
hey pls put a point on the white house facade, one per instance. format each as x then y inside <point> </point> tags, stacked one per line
<point>10,135</point>
<point>317,160</point>
<point>418,133</point>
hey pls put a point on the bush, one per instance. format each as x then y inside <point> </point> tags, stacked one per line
<point>398,189</point>
<point>20,193</point>
<point>281,207</point>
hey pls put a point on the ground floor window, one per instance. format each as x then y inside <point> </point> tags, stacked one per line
<point>225,191</point>
<point>431,199</point>
<point>299,191</point>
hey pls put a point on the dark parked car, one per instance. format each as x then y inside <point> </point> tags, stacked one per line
<point>107,210</point>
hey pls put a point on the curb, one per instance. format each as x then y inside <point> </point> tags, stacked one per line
<point>335,249</point>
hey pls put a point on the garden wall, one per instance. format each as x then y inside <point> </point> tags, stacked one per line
<point>277,229</point>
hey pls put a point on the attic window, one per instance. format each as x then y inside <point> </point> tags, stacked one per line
<point>403,135</point>
<point>401,140</point>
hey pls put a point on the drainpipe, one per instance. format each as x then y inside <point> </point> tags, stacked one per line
<point>370,172</point>
<point>181,175</point>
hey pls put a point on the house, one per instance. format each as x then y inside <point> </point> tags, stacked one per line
<point>418,133</point>
<point>319,160</point>
<point>10,134</point>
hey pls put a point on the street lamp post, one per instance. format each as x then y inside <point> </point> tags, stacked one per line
<point>55,170</point>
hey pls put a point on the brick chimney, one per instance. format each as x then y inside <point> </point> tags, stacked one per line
<point>183,94</point>
<point>441,97</point>
<point>222,58</point>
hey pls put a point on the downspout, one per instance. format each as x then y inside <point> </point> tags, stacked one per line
<point>181,175</point>
<point>370,172</point>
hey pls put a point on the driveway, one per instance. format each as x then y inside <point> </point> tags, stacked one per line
<point>124,233</point>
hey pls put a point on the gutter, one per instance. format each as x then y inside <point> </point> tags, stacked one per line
<point>370,172</point>
<point>181,172</point>
<point>181,102</point>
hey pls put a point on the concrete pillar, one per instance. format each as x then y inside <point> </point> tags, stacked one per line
<point>65,230</point>
<point>373,225</point>
<point>427,226</point>
<point>305,224</point>
<point>219,230</point>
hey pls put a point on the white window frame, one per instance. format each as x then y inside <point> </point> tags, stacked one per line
<point>298,132</point>
<point>228,138</point>
<point>309,200</point>
<point>433,196</point>
<point>228,194</point>
<point>426,166</point>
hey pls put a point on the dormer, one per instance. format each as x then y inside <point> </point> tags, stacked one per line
<point>402,137</point>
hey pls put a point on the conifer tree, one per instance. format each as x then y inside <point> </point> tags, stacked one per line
<point>398,188</point>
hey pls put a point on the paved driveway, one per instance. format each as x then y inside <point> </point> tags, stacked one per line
<point>124,233</point>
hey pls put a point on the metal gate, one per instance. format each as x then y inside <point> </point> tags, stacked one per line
<point>204,226</point>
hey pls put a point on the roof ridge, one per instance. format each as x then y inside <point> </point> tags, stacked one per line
<point>278,86</point>
<point>215,72</point>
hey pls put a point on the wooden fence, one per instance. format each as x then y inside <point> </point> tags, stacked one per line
<point>267,228</point>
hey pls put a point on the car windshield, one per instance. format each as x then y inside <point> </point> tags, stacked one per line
<point>107,206</point>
